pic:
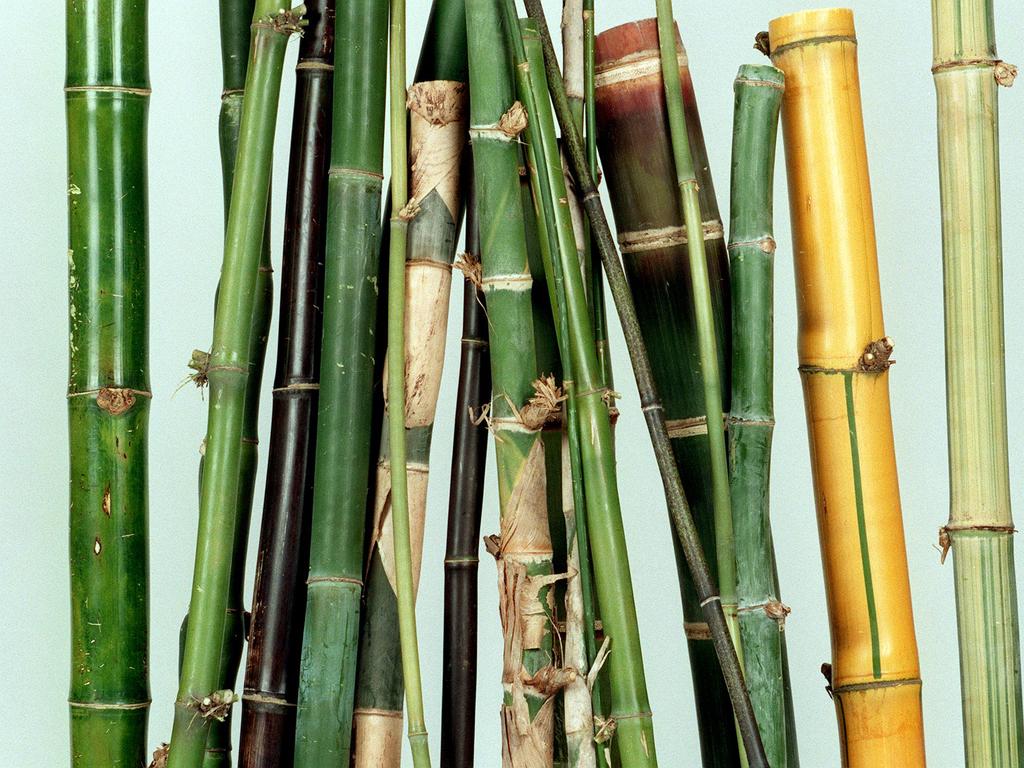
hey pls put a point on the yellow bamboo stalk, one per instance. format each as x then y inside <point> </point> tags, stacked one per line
<point>844,362</point>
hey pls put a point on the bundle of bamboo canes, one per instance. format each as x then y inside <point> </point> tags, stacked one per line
<point>333,662</point>
<point>844,362</point>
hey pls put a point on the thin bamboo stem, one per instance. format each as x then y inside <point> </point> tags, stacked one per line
<point>650,403</point>
<point>844,361</point>
<point>980,528</point>
<point>751,248</point>
<point>279,597</point>
<point>200,701</point>
<point>461,564</point>
<point>106,96</point>
<point>346,408</point>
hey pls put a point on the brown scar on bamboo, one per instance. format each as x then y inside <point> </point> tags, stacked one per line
<point>115,400</point>
<point>105,505</point>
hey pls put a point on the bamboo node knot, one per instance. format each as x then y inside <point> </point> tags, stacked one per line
<point>768,245</point>
<point>1004,73</point>
<point>545,406</point>
<point>549,680</point>
<point>216,706</point>
<point>762,43</point>
<point>877,357</point>
<point>288,22</point>
<point>409,210</point>
<point>115,401</point>
<point>471,268</point>
<point>492,544</point>
<point>604,729</point>
<point>945,542</point>
<point>160,755</point>
<point>826,671</point>
<point>200,363</point>
<point>778,611</point>
<point>514,121</point>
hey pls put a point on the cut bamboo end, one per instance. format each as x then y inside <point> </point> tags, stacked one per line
<point>810,27</point>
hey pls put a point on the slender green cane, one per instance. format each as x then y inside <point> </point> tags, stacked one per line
<point>629,706</point>
<point>751,247</point>
<point>107,95</point>
<point>396,393</point>
<point>980,528</point>
<point>199,699</point>
<point>330,640</point>
<point>679,511</point>
<point>708,343</point>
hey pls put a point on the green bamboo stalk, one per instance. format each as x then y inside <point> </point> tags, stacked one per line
<point>629,706</point>
<point>679,511</point>
<point>751,247</point>
<point>235,18</point>
<point>980,528</point>
<point>331,633</point>
<point>404,588</point>
<point>689,203</point>
<point>523,550</point>
<point>200,700</point>
<point>107,96</point>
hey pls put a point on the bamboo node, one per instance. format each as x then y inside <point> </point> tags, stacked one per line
<point>160,755</point>
<point>514,121</point>
<point>1004,73</point>
<point>115,401</point>
<point>286,21</point>
<point>492,544</point>
<point>471,268</point>
<point>826,671</point>
<point>877,357</point>
<point>216,706</point>
<point>409,210</point>
<point>762,43</point>
<point>604,729</point>
<point>946,538</point>
<point>778,611</point>
<point>200,363</point>
<point>545,406</point>
<point>549,680</point>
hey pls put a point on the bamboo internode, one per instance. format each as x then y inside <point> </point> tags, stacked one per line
<point>844,361</point>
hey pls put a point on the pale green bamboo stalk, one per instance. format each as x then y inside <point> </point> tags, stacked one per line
<point>980,528</point>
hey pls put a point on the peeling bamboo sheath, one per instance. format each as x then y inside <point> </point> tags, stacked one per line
<point>630,102</point>
<point>980,528</point>
<point>844,362</point>
<point>108,384</point>
<point>437,138</point>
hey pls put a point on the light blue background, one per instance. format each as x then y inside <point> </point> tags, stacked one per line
<point>185,227</point>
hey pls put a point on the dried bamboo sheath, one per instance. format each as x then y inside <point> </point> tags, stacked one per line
<point>844,359</point>
<point>638,163</point>
<point>107,95</point>
<point>437,132</point>
<point>751,421</point>
<point>980,527</point>
<point>279,599</point>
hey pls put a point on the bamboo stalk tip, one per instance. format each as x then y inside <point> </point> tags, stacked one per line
<point>628,41</point>
<point>810,25</point>
<point>760,74</point>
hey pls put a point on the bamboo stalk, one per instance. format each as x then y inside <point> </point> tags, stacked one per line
<point>980,528</point>
<point>523,549</point>
<point>235,19</point>
<point>640,170</point>
<point>200,701</point>
<point>465,504</point>
<point>106,96</point>
<point>679,511</point>
<point>844,361</point>
<point>344,419</point>
<point>751,247</point>
<point>279,597</point>
<point>437,139</point>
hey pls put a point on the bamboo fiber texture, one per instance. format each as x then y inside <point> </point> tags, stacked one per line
<point>762,615</point>
<point>638,164</point>
<point>279,598</point>
<point>980,528</point>
<point>106,96</point>
<point>844,361</point>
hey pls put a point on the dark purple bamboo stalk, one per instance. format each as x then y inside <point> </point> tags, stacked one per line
<point>279,599</point>
<point>465,501</point>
